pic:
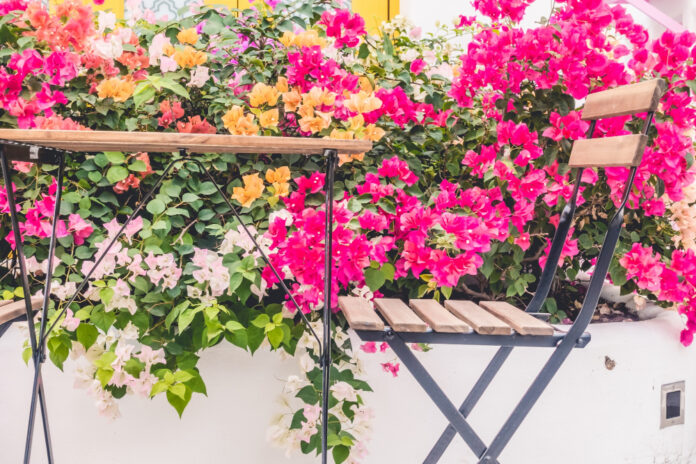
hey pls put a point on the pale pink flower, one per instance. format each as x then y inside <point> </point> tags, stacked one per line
<point>199,76</point>
<point>167,64</point>
<point>343,391</point>
<point>156,49</point>
<point>70,322</point>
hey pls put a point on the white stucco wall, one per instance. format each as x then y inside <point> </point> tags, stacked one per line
<point>589,414</point>
<point>426,13</point>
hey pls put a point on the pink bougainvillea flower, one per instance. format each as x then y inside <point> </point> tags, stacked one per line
<point>79,228</point>
<point>345,27</point>
<point>417,66</point>
<point>392,368</point>
<point>369,347</point>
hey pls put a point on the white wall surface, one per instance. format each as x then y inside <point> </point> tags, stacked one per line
<point>588,415</point>
<point>426,13</point>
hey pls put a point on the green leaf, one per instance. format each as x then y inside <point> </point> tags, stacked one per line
<point>261,321</point>
<point>182,376</point>
<point>115,157</point>
<point>374,278</point>
<point>275,336</point>
<point>340,453</point>
<point>106,294</point>
<point>104,361</point>
<point>102,319</point>
<point>143,93</point>
<point>308,394</point>
<point>59,349</point>
<point>186,317</point>
<point>137,166</point>
<point>233,326</point>
<point>175,87</point>
<point>104,375</point>
<point>178,398</point>
<point>26,355</point>
<point>87,334</point>
<point>134,367</point>
<point>159,387</point>
<point>116,174</point>
<point>156,206</point>
<point>388,270</point>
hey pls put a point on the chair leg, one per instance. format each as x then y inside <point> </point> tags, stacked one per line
<point>468,405</point>
<point>4,327</point>
<point>433,390</point>
<point>530,398</point>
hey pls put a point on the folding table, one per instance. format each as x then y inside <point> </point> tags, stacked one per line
<point>52,147</point>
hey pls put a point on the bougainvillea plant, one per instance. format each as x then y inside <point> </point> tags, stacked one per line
<point>472,128</point>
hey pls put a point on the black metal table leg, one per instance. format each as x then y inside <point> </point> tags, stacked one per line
<point>331,161</point>
<point>38,393</point>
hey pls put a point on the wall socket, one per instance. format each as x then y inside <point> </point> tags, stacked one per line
<point>672,404</point>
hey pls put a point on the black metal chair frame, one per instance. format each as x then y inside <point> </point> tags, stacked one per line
<point>563,343</point>
<point>38,344</point>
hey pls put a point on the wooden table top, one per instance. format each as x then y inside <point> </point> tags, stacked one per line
<point>165,142</point>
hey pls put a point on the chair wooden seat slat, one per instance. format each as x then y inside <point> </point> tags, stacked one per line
<point>481,320</point>
<point>97,141</point>
<point>400,317</point>
<point>438,317</point>
<point>522,322</point>
<point>11,310</point>
<point>359,313</point>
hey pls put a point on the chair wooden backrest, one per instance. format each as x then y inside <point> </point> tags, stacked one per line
<point>623,150</point>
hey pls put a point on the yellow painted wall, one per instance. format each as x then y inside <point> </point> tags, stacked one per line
<point>374,11</point>
<point>231,3</point>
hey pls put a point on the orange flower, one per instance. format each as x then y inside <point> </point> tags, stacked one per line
<point>365,85</point>
<point>317,123</point>
<point>362,102</point>
<point>292,100</point>
<point>308,38</point>
<point>252,190</point>
<point>374,133</point>
<point>188,36</point>
<point>357,122</point>
<point>306,111</point>
<point>118,89</point>
<point>281,189</point>
<point>317,96</point>
<point>262,93</point>
<point>269,118</point>
<point>280,175</point>
<point>239,124</point>
<point>168,49</point>
<point>341,134</point>
<point>189,57</point>
<point>282,84</point>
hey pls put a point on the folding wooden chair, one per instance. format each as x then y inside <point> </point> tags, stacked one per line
<point>501,324</point>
